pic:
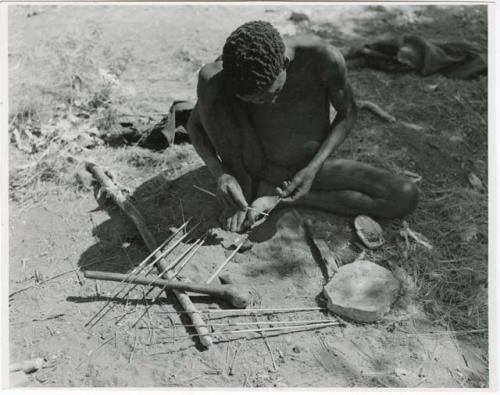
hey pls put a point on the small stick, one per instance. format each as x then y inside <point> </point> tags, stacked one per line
<point>257,330</point>
<point>376,110</point>
<point>269,310</point>
<point>230,372</point>
<point>137,269</point>
<point>188,258</point>
<point>191,249</point>
<point>227,356</point>
<point>50,317</point>
<point>266,342</point>
<point>161,256</point>
<point>204,190</point>
<point>178,259</point>
<point>259,323</point>
<point>133,348</point>
<point>50,279</point>
<point>216,273</point>
<point>214,195</point>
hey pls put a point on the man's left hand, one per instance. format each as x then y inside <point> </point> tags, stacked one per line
<point>299,186</point>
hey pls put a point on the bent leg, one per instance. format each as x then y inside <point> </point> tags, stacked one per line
<point>348,187</point>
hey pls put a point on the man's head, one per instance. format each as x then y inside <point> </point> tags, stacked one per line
<point>254,62</point>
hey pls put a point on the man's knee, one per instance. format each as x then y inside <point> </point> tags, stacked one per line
<point>404,200</point>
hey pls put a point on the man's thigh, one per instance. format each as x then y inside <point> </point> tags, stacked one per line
<point>346,174</point>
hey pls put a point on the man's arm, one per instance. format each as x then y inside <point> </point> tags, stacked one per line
<point>342,99</point>
<point>219,136</point>
<point>202,144</point>
<point>333,72</point>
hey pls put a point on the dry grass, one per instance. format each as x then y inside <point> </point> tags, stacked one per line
<point>450,282</point>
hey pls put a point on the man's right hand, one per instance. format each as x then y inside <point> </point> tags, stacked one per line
<point>229,193</point>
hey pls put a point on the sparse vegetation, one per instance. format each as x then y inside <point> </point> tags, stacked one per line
<point>70,92</point>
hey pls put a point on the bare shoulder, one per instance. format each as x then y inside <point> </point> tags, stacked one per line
<point>328,59</point>
<point>209,81</point>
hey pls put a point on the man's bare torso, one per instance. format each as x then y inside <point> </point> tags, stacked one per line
<point>292,128</point>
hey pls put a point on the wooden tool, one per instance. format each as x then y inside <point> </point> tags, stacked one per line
<point>135,215</point>
<point>238,296</point>
<point>327,256</point>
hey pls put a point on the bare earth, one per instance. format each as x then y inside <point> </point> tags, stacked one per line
<point>69,229</point>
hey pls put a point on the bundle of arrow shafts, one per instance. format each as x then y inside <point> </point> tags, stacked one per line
<point>265,322</point>
<point>126,285</point>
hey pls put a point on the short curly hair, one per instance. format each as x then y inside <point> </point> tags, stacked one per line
<point>252,58</point>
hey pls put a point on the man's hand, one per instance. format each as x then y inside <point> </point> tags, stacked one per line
<point>299,186</point>
<point>229,193</point>
<point>233,219</point>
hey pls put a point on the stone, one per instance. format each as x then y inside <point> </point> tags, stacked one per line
<point>362,291</point>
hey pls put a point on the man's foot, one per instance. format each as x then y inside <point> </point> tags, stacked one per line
<point>232,220</point>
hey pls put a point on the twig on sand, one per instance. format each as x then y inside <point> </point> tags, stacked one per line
<point>270,310</point>
<point>50,317</point>
<point>248,323</point>
<point>231,367</point>
<point>133,348</point>
<point>282,329</point>
<point>266,342</point>
<point>184,381</point>
<point>49,279</point>
<point>219,269</point>
<point>374,108</point>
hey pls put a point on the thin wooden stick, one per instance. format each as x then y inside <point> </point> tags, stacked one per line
<point>257,330</point>
<point>219,269</point>
<point>45,281</point>
<point>214,195</point>
<point>236,354</point>
<point>150,241</point>
<point>205,190</point>
<point>266,342</point>
<point>188,259</point>
<point>225,324</point>
<point>190,249</point>
<point>131,287</point>
<point>136,270</point>
<point>376,110</point>
<point>178,259</point>
<point>250,310</point>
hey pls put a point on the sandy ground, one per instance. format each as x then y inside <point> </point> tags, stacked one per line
<point>166,45</point>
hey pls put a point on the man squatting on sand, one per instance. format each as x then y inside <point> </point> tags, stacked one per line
<point>262,126</point>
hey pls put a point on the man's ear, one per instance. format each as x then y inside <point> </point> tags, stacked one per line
<point>286,62</point>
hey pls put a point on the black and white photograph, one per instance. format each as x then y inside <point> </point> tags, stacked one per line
<point>244,195</point>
